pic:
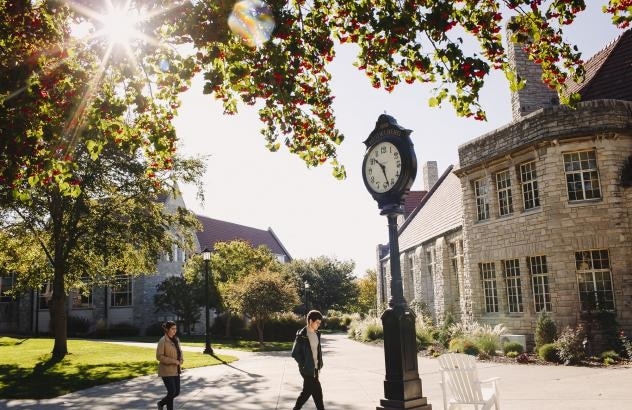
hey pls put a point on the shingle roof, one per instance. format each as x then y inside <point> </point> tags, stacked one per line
<point>608,73</point>
<point>214,231</point>
<point>413,199</point>
<point>440,212</point>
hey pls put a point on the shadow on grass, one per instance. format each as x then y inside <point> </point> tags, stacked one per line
<point>51,378</point>
<point>12,342</point>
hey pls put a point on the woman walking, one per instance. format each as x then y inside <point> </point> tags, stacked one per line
<point>169,356</point>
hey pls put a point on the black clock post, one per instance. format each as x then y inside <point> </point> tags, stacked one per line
<point>396,164</point>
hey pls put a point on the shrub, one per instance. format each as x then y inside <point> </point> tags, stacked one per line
<point>336,320</point>
<point>548,352</point>
<point>123,329</point>
<point>423,337</point>
<point>281,327</point>
<point>512,347</point>
<point>365,330</point>
<point>545,330</point>
<point>523,358</point>
<point>463,345</point>
<point>155,329</point>
<point>77,326</point>
<point>373,331</point>
<point>487,343</point>
<point>456,345</point>
<point>609,357</point>
<point>238,326</point>
<point>625,342</point>
<point>570,345</point>
<point>512,354</point>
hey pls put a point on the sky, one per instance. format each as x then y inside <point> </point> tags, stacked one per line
<point>311,212</point>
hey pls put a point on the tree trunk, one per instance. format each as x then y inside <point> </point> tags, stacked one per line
<point>260,331</point>
<point>227,330</point>
<point>58,316</point>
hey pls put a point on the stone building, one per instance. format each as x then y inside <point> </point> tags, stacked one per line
<point>546,202</point>
<point>544,210</point>
<point>431,251</point>
<point>129,300</point>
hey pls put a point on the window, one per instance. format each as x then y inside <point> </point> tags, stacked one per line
<point>482,202</point>
<point>582,178</point>
<point>511,270</point>
<point>45,295</point>
<point>430,261</point>
<point>121,294</point>
<point>503,187</point>
<point>455,259</point>
<point>6,284</point>
<point>540,281</point>
<point>529,181</point>
<point>82,298</point>
<point>408,280</point>
<point>488,275</point>
<point>595,282</point>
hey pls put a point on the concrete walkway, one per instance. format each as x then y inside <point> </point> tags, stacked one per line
<point>352,380</point>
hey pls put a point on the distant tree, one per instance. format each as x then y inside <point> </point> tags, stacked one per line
<point>331,282</point>
<point>184,299</point>
<point>115,225</point>
<point>230,262</point>
<point>367,292</point>
<point>263,293</point>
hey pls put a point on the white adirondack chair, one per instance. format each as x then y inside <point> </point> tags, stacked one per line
<point>460,377</point>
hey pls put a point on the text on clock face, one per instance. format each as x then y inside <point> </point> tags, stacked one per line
<point>383,167</point>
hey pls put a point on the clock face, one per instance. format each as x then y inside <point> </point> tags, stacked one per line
<point>383,167</point>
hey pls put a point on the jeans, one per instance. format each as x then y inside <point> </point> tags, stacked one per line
<point>172,383</point>
<point>311,387</point>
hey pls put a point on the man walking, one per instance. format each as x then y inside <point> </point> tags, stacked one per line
<point>309,356</point>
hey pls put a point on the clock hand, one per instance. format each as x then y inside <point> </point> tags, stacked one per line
<point>383,169</point>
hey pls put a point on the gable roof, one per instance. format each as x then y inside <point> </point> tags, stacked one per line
<point>440,211</point>
<point>412,200</point>
<point>214,230</point>
<point>608,73</point>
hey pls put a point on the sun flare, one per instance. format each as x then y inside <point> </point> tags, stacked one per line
<point>120,25</point>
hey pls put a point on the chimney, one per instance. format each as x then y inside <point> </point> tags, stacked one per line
<point>535,94</point>
<point>431,175</point>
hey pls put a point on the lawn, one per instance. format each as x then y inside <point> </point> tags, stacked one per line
<point>198,341</point>
<point>27,370</point>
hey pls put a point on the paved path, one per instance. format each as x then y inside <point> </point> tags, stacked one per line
<point>352,380</point>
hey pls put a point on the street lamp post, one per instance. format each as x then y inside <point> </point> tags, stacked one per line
<point>206,255</point>
<point>306,284</point>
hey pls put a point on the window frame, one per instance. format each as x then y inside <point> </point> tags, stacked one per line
<point>585,268</point>
<point>44,295</point>
<point>582,176</point>
<point>7,282</point>
<point>513,283</point>
<point>538,269</point>
<point>85,300</point>
<point>529,185</point>
<point>489,284</point>
<point>481,196</point>
<point>128,292</point>
<point>503,192</point>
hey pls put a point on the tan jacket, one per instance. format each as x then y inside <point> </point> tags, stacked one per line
<point>167,356</point>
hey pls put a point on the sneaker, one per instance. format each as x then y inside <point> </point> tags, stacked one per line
<point>160,406</point>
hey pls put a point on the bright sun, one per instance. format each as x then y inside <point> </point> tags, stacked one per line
<point>119,25</point>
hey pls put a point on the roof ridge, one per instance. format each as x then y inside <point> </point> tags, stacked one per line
<point>597,62</point>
